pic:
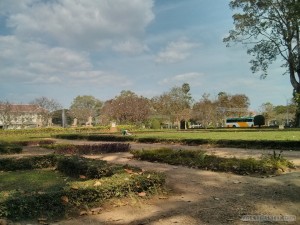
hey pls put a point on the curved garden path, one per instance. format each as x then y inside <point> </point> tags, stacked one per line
<point>198,196</point>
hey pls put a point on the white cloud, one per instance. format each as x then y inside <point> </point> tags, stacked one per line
<point>176,51</point>
<point>97,78</point>
<point>130,47</point>
<point>34,63</point>
<point>80,23</point>
<point>192,78</point>
<point>45,80</point>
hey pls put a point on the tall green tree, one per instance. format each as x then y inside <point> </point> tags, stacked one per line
<point>271,31</point>
<point>85,106</point>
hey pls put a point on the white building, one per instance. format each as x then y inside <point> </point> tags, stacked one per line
<point>17,116</point>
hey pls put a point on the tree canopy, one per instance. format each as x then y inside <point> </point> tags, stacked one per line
<point>126,108</point>
<point>174,104</point>
<point>85,106</point>
<point>270,29</point>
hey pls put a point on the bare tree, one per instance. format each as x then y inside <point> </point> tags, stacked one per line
<point>172,104</point>
<point>5,114</point>
<point>205,112</point>
<point>48,107</point>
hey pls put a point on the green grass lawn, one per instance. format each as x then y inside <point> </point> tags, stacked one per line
<point>26,182</point>
<point>228,134</point>
<point>213,134</point>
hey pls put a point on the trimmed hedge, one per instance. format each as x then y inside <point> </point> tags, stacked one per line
<point>199,159</point>
<point>9,148</point>
<point>92,169</point>
<point>89,149</point>
<point>35,142</point>
<point>95,137</point>
<point>250,144</point>
<point>28,163</point>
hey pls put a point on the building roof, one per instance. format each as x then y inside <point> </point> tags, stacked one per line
<point>22,108</point>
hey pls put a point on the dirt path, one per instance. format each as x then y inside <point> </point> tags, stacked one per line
<point>203,197</point>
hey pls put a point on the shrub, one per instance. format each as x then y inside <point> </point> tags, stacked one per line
<point>35,142</point>
<point>90,149</point>
<point>9,148</point>
<point>76,166</point>
<point>28,163</point>
<point>198,159</point>
<point>259,120</point>
<point>95,137</point>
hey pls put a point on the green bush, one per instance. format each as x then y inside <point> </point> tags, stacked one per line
<point>89,149</point>
<point>34,142</point>
<point>76,166</point>
<point>28,163</point>
<point>95,137</point>
<point>9,148</point>
<point>155,124</point>
<point>198,159</point>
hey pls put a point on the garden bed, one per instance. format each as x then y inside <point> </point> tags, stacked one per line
<point>71,185</point>
<point>267,164</point>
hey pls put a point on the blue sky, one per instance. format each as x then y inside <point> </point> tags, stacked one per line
<point>65,48</point>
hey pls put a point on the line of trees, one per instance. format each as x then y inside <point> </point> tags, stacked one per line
<point>174,108</point>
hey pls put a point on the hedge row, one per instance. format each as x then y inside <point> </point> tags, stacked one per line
<point>28,163</point>
<point>16,146</point>
<point>199,159</point>
<point>95,137</point>
<point>9,148</point>
<point>34,142</point>
<point>250,144</point>
<point>91,169</point>
<point>89,149</point>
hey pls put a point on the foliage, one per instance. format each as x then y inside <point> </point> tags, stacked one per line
<point>76,166</point>
<point>95,137</point>
<point>205,112</point>
<point>259,120</point>
<point>238,138</point>
<point>201,160</point>
<point>126,108</point>
<point>57,198</point>
<point>89,149</point>
<point>212,113</point>
<point>83,107</point>
<point>49,106</point>
<point>28,163</point>
<point>172,104</point>
<point>9,148</point>
<point>155,124</point>
<point>270,29</point>
<point>57,117</point>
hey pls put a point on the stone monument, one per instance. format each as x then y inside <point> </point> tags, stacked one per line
<point>89,122</point>
<point>113,127</point>
<point>74,122</point>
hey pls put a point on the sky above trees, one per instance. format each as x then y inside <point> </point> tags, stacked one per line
<point>62,49</point>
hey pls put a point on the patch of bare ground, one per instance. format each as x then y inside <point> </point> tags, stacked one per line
<point>204,197</point>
